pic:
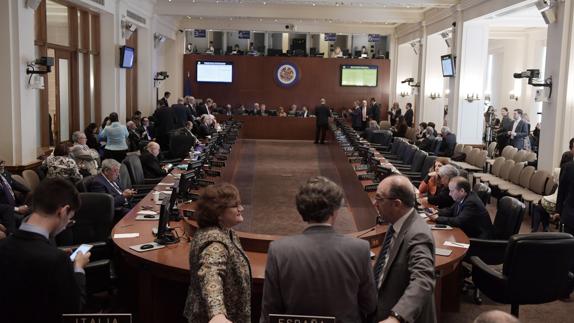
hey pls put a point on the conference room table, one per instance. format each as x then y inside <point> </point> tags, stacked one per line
<point>153,284</point>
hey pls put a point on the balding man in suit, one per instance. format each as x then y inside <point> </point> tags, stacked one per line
<point>319,272</point>
<point>405,269</point>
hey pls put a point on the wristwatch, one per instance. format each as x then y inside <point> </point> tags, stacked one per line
<point>398,317</point>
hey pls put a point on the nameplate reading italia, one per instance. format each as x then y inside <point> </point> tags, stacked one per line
<point>96,318</point>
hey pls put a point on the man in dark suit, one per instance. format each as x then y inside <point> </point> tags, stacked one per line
<point>446,147</point>
<point>150,163</point>
<point>468,211</point>
<point>322,114</point>
<point>394,113</point>
<point>145,130</point>
<point>133,137</point>
<point>11,210</point>
<point>374,111</point>
<point>39,281</point>
<point>182,113</point>
<point>190,104</point>
<point>565,198</point>
<point>409,115</point>
<point>204,108</point>
<point>165,121</point>
<point>357,118</point>
<point>319,272</point>
<point>404,269</point>
<point>519,130</point>
<point>107,182</point>
<point>163,102</point>
<point>502,138</point>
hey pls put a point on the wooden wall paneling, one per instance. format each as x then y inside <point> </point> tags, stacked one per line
<point>85,52</point>
<point>132,79</point>
<point>95,49</point>
<point>40,41</point>
<point>74,75</point>
<point>254,81</point>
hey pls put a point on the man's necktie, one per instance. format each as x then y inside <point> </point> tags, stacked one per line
<point>380,264</point>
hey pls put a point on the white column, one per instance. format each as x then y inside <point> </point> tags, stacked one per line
<point>433,81</point>
<point>393,56</point>
<point>419,97</point>
<point>557,115</point>
<point>473,60</point>
<point>454,83</point>
<point>112,83</point>
<point>19,125</point>
<point>407,67</point>
<point>146,91</point>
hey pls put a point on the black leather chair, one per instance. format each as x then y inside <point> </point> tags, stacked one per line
<point>93,225</point>
<point>536,270</point>
<point>126,182</point>
<point>135,170</point>
<point>83,184</point>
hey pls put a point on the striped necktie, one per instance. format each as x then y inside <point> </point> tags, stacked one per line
<point>380,264</point>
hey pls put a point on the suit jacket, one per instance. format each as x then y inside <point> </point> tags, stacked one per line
<point>471,216</point>
<point>201,110</point>
<point>99,184</point>
<point>408,281</point>
<point>565,198</point>
<point>322,114</point>
<point>442,198</point>
<point>395,116</point>
<point>357,118</point>
<point>521,132</point>
<point>204,130</point>
<point>151,166</point>
<point>182,114</point>
<point>165,121</point>
<point>375,112</point>
<point>163,102</point>
<point>409,117</point>
<point>319,272</point>
<point>133,140</point>
<point>447,145</point>
<point>33,272</point>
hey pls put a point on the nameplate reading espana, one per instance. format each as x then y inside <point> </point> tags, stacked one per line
<point>96,318</point>
<point>285,318</point>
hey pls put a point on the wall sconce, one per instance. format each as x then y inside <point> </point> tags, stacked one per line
<point>513,96</point>
<point>446,92</point>
<point>487,98</point>
<point>434,96</point>
<point>472,97</point>
<point>403,94</point>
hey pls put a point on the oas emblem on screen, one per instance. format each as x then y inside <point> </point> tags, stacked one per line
<point>287,74</point>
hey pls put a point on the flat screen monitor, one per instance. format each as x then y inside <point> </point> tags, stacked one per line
<point>126,57</point>
<point>214,72</point>
<point>185,182</point>
<point>163,220</point>
<point>447,63</point>
<point>359,75</point>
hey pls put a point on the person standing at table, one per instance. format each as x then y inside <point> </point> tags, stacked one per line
<point>115,136</point>
<point>322,114</point>
<point>220,284</point>
<point>405,268</point>
<point>319,272</point>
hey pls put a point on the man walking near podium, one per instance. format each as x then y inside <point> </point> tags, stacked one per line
<point>322,114</point>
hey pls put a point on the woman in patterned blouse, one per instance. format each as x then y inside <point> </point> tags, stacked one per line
<point>61,165</point>
<point>220,286</point>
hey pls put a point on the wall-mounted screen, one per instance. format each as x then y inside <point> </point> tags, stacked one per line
<point>126,57</point>
<point>214,72</point>
<point>447,63</point>
<point>359,75</point>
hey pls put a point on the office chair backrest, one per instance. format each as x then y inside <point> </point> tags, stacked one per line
<point>483,191</point>
<point>21,180</point>
<point>526,175</point>
<point>545,256</point>
<point>467,150</point>
<point>402,148</point>
<point>418,161</point>
<point>458,148</point>
<point>551,186</point>
<point>135,169</point>
<point>31,178</point>
<point>520,156</point>
<point>409,154</point>
<point>93,220</point>
<point>507,152</point>
<point>509,215</point>
<point>377,137</point>
<point>506,168</point>
<point>497,166</point>
<point>428,163</point>
<point>480,159</point>
<point>179,146</point>
<point>491,150</point>
<point>434,144</point>
<point>125,180</point>
<point>515,172</point>
<point>83,185</point>
<point>538,181</point>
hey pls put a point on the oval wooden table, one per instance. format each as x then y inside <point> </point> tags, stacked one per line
<point>155,282</point>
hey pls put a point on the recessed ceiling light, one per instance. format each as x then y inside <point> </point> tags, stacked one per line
<point>314,4</point>
<point>260,19</point>
<point>275,20</point>
<point>264,2</point>
<point>200,18</point>
<point>230,18</point>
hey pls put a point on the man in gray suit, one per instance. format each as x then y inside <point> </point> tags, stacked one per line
<point>404,270</point>
<point>519,130</point>
<point>319,272</point>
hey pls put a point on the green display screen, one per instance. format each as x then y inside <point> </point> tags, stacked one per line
<point>359,75</point>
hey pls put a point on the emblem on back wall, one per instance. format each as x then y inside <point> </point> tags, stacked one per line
<point>287,74</point>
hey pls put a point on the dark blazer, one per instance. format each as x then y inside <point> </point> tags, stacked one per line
<point>409,117</point>
<point>34,273</point>
<point>204,130</point>
<point>182,115</point>
<point>374,112</point>
<point>322,114</point>
<point>447,145</point>
<point>146,133</point>
<point>163,102</point>
<point>409,275</point>
<point>151,166</point>
<point>394,116</point>
<point>521,133</point>
<point>357,119</point>
<point>442,198</point>
<point>165,121</point>
<point>133,140</point>
<point>100,185</point>
<point>319,272</point>
<point>201,110</point>
<point>471,216</point>
<point>92,140</point>
<point>565,198</point>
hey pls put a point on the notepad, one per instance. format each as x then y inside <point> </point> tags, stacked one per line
<point>126,235</point>
<point>456,244</point>
<point>146,212</point>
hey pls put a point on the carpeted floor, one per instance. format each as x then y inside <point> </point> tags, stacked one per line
<point>268,177</point>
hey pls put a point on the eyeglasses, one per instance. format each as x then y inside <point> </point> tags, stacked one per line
<point>382,198</point>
